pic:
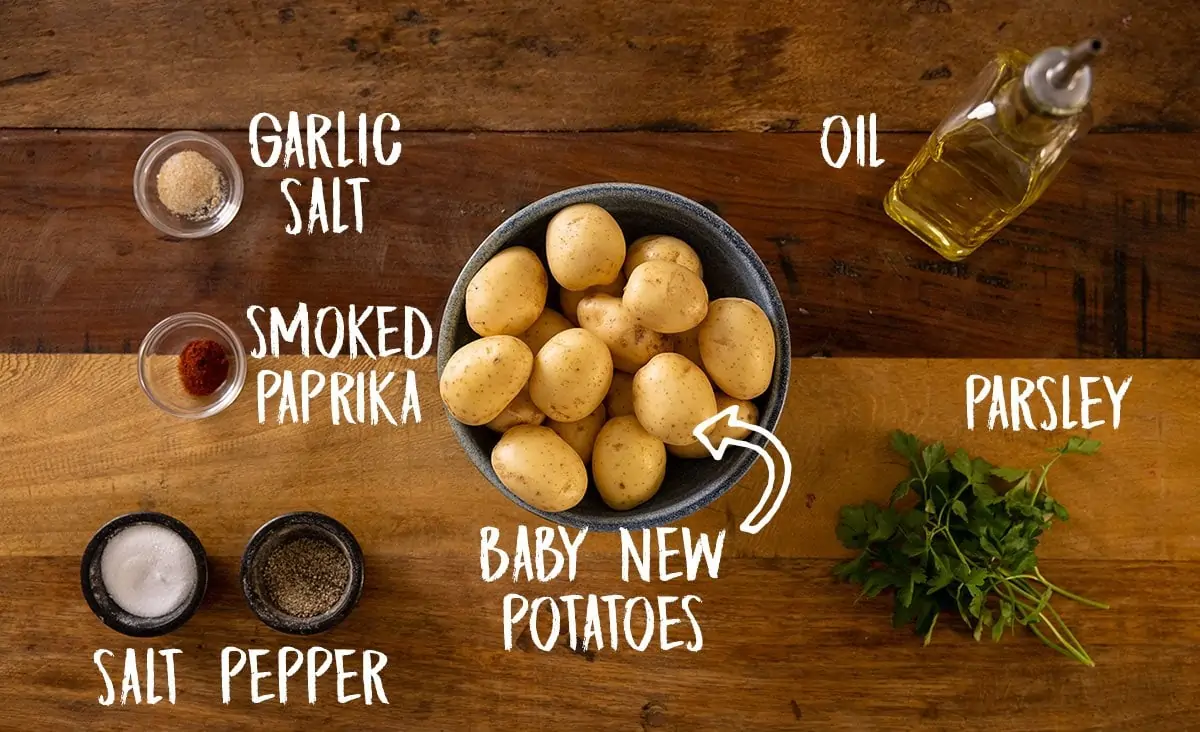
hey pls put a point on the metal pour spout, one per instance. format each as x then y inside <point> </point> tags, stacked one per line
<point>1079,56</point>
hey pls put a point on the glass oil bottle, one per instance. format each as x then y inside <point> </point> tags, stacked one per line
<point>998,150</point>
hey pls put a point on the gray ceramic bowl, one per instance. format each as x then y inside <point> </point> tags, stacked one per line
<point>731,269</point>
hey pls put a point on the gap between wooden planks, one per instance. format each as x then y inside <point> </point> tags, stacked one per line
<point>1103,266</point>
<point>79,444</point>
<point>612,64</point>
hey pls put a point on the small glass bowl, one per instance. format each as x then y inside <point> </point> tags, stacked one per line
<point>158,365</point>
<point>145,185</point>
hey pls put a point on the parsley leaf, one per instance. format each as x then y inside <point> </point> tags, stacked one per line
<point>1010,474</point>
<point>905,444</point>
<point>1081,446</point>
<point>933,456</point>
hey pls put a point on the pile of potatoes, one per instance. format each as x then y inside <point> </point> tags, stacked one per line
<point>618,378</point>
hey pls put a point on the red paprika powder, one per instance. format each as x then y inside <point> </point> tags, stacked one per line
<point>203,367</point>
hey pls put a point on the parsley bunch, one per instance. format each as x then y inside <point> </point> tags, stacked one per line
<point>963,545</point>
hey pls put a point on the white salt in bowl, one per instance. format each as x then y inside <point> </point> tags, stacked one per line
<point>101,602</point>
<point>145,185</point>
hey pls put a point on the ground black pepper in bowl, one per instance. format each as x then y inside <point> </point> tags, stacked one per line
<point>302,573</point>
<point>305,577</point>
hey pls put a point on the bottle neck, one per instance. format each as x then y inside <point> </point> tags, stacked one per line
<point>1059,80</point>
<point>1025,120</point>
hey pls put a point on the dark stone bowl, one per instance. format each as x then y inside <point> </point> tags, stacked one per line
<point>298,525</point>
<point>107,610</point>
<point>731,269</point>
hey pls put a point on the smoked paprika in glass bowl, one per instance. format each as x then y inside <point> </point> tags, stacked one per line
<point>159,365</point>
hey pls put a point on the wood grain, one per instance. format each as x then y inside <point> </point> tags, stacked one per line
<point>1104,265</point>
<point>80,444</point>
<point>410,490</point>
<point>785,648</point>
<point>615,64</point>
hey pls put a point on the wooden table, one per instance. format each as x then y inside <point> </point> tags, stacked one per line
<point>502,103</point>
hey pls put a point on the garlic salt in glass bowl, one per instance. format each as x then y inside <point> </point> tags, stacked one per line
<point>158,365</point>
<point>100,599</point>
<point>145,185</point>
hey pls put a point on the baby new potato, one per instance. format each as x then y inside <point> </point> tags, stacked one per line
<point>671,395</point>
<point>666,297</point>
<point>584,247</point>
<point>547,325</point>
<point>569,299</point>
<point>747,412</point>
<point>631,343</point>
<point>619,401</point>
<point>666,248</point>
<point>571,375</point>
<point>737,346</point>
<point>628,463</point>
<point>521,410</point>
<point>581,435</point>
<point>484,376</point>
<point>541,469</point>
<point>507,294</point>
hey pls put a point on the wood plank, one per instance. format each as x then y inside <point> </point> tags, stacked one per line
<point>1103,266</point>
<point>617,64</point>
<point>804,655</point>
<point>410,490</point>
<point>79,444</point>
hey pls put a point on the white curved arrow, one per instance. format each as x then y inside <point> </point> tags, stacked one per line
<point>753,523</point>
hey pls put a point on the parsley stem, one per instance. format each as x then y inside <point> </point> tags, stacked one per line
<point>1069,595</point>
<point>1066,629</point>
<point>932,625</point>
<point>1055,646</point>
<point>1031,611</point>
<point>1042,479</point>
<point>954,544</point>
<point>1065,648</point>
<point>959,605</point>
<point>1055,588</point>
<point>1075,650</point>
<point>948,505</point>
<point>1073,643</point>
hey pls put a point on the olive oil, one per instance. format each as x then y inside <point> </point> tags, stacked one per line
<point>997,151</point>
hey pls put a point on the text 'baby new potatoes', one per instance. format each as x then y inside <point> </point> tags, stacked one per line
<point>616,381</point>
